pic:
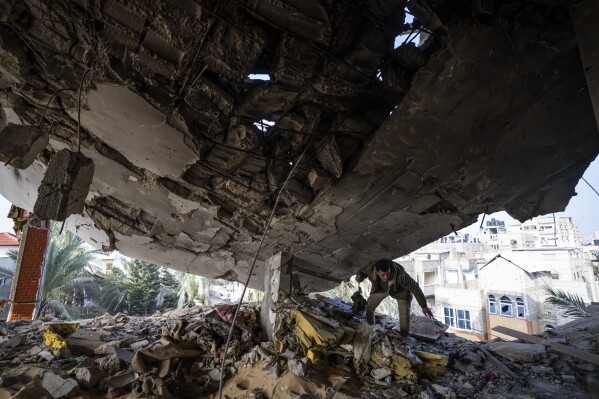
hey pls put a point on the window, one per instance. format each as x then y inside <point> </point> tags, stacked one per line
<point>492,304</point>
<point>449,317</point>
<point>505,306</point>
<point>464,319</point>
<point>520,308</point>
<point>457,318</point>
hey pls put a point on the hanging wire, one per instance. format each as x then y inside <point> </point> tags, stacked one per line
<point>79,110</point>
<point>272,214</point>
<point>593,188</point>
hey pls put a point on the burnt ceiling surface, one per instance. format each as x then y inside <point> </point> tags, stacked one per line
<point>482,107</point>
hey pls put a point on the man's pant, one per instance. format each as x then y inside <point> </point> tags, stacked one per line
<point>404,299</point>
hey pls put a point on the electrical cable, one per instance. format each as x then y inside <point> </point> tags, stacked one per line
<point>593,188</point>
<point>79,110</point>
<point>224,355</point>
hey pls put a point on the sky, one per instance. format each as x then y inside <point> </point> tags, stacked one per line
<point>583,208</point>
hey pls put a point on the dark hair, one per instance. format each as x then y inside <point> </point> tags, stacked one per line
<point>382,266</point>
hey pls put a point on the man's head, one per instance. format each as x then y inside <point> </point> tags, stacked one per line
<point>382,270</point>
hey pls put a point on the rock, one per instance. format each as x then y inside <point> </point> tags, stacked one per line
<point>298,367</point>
<point>493,396</point>
<point>59,387</point>
<point>46,355</point>
<point>15,341</point>
<point>464,368</point>
<point>22,329</point>
<point>518,352</point>
<point>215,374</point>
<point>445,392</point>
<point>540,369</point>
<point>568,378</point>
<point>467,386</point>
<point>87,377</point>
<point>108,348</point>
<point>140,344</point>
<point>34,350</point>
<point>380,373</point>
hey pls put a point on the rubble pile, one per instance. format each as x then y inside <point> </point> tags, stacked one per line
<point>320,350</point>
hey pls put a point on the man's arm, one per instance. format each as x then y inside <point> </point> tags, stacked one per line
<point>364,272</point>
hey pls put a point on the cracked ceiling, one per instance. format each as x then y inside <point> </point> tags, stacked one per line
<point>487,109</point>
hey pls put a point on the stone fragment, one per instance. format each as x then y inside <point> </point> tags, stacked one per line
<point>87,377</point>
<point>46,355</point>
<point>445,392</point>
<point>215,374</point>
<point>380,373</point>
<point>59,387</point>
<point>298,367</point>
<point>493,396</point>
<point>568,378</point>
<point>65,186</point>
<point>518,352</point>
<point>34,350</point>
<point>140,344</point>
<point>15,341</point>
<point>20,144</point>
<point>317,180</point>
<point>540,369</point>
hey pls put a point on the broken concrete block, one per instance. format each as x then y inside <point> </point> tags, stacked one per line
<point>65,186</point>
<point>215,374</point>
<point>518,352</point>
<point>46,355</point>
<point>444,392</point>
<point>87,377</point>
<point>140,344</point>
<point>59,387</point>
<point>15,341</point>
<point>317,180</point>
<point>20,144</point>
<point>298,367</point>
<point>380,373</point>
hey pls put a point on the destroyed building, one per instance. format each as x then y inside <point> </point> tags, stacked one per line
<point>313,135</point>
<point>382,125</point>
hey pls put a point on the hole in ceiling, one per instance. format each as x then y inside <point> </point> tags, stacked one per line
<point>259,76</point>
<point>264,124</point>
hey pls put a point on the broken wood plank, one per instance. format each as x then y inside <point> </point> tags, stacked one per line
<point>567,350</point>
<point>515,376</point>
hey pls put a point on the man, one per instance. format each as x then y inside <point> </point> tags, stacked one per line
<point>390,278</point>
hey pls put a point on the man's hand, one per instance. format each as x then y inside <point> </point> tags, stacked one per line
<point>428,313</point>
<point>359,277</point>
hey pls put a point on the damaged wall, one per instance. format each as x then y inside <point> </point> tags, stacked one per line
<point>490,112</point>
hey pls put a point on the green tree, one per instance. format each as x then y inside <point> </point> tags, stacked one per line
<point>169,289</point>
<point>116,292</point>
<point>144,285</point>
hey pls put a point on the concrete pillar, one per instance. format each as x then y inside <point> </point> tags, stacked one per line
<point>25,291</point>
<point>585,15</point>
<point>277,279</point>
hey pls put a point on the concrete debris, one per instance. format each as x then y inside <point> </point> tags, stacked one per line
<point>65,186</point>
<point>519,352</point>
<point>178,354</point>
<point>59,387</point>
<point>21,144</point>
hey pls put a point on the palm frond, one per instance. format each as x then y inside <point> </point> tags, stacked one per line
<point>572,304</point>
<point>13,254</point>
<point>6,273</point>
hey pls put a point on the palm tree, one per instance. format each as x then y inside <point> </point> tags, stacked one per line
<point>573,304</point>
<point>189,288</point>
<point>68,280</point>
